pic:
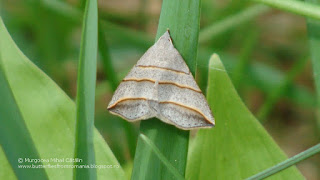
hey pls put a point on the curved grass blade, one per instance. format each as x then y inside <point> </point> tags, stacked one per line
<point>306,9</point>
<point>238,146</point>
<point>49,115</point>
<point>86,93</point>
<point>287,163</point>
<point>182,18</point>
<point>15,138</point>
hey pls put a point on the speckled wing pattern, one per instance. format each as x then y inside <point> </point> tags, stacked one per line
<point>161,85</point>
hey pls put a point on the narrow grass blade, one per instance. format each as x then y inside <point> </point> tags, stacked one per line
<point>15,138</point>
<point>161,157</point>
<point>49,115</point>
<point>238,146</point>
<point>306,9</point>
<point>86,93</point>
<point>283,87</point>
<point>231,22</point>
<point>314,45</point>
<point>287,163</point>
<point>182,18</point>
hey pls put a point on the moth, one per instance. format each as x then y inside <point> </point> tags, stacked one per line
<point>161,85</point>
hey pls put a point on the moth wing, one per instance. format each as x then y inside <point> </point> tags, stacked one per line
<point>163,55</point>
<point>161,85</point>
<point>130,100</point>
<point>184,106</point>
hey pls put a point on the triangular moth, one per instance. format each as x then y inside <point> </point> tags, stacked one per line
<point>161,85</point>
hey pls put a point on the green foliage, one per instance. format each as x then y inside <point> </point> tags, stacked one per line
<point>314,45</point>
<point>40,118</point>
<point>298,7</point>
<point>49,115</point>
<point>238,146</point>
<point>85,106</point>
<point>13,129</point>
<point>287,163</point>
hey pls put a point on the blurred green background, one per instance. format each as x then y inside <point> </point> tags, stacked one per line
<point>265,52</point>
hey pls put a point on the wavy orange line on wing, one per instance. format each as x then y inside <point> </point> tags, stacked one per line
<point>162,102</point>
<point>168,69</point>
<point>163,82</point>
<point>188,107</point>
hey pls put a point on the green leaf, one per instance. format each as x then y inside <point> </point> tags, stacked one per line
<point>182,18</point>
<point>294,6</point>
<point>86,85</point>
<point>13,129</point>
<point>49,115</point>
<point>314,43</point>
<point>238,146</point>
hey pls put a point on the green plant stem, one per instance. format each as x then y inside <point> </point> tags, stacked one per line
<point>182,18</point>
<point>231,22</point>
<point>287,163</point>
<point>297,7</point>
<point>85,101</point>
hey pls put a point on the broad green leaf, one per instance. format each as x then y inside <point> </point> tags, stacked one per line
<point>238,146</point>
<point>86,85</point>
<point>49,115</point>
<point>182,18</point>
<point>13,129</point>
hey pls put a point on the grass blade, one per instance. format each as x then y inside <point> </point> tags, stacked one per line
<point>297,7</point>
<point>86,93</point>
<point>161,157</point>
<point>182,18</point>
<point>230,22</point>
<point>238,146</point>
<point>287,163</point>
<point>15,138</point>
<point>314,43</point>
